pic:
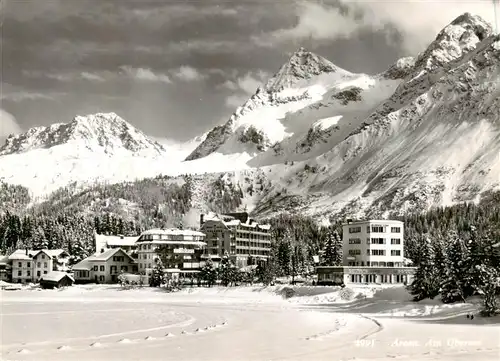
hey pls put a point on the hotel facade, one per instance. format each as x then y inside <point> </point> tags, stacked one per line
<point>236,234</point>
<point>183,249</point>
<point>373,252</point>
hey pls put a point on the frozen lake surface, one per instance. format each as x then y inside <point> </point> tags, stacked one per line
<point>108,323</point>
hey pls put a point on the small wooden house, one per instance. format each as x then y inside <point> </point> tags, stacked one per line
<point>56,279</point>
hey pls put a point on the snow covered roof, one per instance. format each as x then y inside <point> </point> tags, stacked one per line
<point>115,241</point>
<point>56,276</point>
<point>108,254</point>
<point>83,264</point>
<point>373,221</point>
<point>20,254</point>
<point>231,221</point>
<point>173,232</point>
<point>86,264</point>
<point>174,242</point>
<point>56,252</point>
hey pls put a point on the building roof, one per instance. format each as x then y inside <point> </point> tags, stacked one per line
<point>20,254</point>
<point>104,241</point>
<point>86,264</point>
<point>104,256</point>
<point>373,221</point>
<point>173,232</point>
<point>83,264</point>
<point>174,242</point>
<point>235,219</point>
<point>56,276</point>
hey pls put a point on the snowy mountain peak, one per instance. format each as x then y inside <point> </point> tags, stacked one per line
<point>103,132</point>
<point>460,37</point>
<point>302,65</point>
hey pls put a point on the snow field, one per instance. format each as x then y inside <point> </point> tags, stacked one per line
<point>247,323</point>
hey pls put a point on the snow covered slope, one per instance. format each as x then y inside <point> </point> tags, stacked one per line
<point>257,124</point>
<point>435,141</point>
<point>95,148</point>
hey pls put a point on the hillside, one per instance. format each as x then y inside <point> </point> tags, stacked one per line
<point>315,139</point>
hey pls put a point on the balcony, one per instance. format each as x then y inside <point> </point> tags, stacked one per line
<point>183,251</point>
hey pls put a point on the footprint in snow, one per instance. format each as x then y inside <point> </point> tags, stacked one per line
<point>63,348</point>
<point>124,340</point>
<point>149,338</point>
<point>24,351</point>
<point>169,335</point>
<point>96,344</point>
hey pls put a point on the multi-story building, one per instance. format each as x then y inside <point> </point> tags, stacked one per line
<point>182,248</point>
<point>104,267</point>
<point>373,252</point>
<point>373,243</point>
<point>238,235</point>
<point>30,266</point>
<point>104,242</point>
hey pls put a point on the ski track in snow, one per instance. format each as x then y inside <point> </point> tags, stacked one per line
<point>257,325</point>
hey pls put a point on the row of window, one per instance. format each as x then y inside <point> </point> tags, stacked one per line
<point>38,264</point>
<point>28,273</point>
<point>374,229</point>
<point>374,241</point>
<point>374,252</point>
<point>375,264</point>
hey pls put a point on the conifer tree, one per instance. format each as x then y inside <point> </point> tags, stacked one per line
<point>488,288</point>
<point>332,251</point>
<point>208,273</point>
<point>157,278</point>
<point>226,271</point>
<point>452,285</point>
<point>425,283</point>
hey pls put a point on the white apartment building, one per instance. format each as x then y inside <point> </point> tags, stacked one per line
<point>184,249</point>
<point>373,252</point>
<point>373,243</point>
<point>31,265</point>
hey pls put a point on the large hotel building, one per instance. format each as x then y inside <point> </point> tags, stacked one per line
<point>242,238</point>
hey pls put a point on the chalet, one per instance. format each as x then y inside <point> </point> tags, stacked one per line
<point>56,279</point>
<point>104,267</point>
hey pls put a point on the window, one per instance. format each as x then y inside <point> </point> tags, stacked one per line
<point>378,252</point>
<point>43,256</point>
<point>354,241</point>
<point>29,264</point>
<point>38,273</point>
<point>377,229</point>
<point>45,265</point>
<point>378,241</point>
<point>20,265</point>
<point>354,229</point>
<point>19,273</point>
<point>101,278</point>
<point>395,252</point>
<point>395,241</point>
<point>44,272</point>
<point>96,268</point>
<point>39,264</point>
<point>28,273</point>
<point>101,268</point>
<point>395,229</point>
<point>354,252</point>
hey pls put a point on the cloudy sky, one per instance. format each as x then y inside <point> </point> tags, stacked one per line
<point>175,68</point>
